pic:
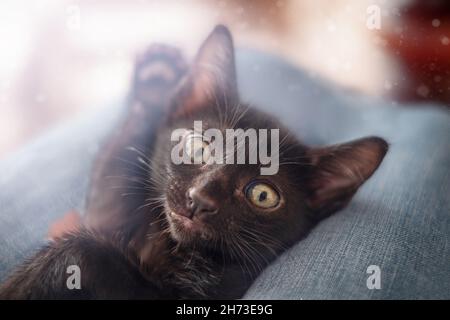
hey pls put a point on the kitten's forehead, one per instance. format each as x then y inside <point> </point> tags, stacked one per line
<point>230,117</point>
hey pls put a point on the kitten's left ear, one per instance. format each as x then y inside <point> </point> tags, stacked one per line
<point>212,78</point>
<point>338,171</point>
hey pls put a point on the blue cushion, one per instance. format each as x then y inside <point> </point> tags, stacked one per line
<point>399,220</point>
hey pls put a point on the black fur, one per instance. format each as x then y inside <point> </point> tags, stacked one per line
<point>133,245</point>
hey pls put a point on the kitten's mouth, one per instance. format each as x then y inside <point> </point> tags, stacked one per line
<point>183,221</point>
<point>184,229</point>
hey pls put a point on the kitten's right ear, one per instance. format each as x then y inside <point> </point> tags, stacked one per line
<point>338,171</point>
<point>212,78</point>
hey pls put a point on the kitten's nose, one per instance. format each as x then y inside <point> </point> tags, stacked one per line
<point>200,204</point>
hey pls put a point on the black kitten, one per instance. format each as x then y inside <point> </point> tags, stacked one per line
<point>192,231</point>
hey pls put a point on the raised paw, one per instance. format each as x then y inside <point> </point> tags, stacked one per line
<point>157,70</point>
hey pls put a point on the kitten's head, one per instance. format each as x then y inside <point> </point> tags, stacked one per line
<point>234,206</point>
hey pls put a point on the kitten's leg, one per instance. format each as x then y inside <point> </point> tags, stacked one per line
<point>79,266</point>
<point>118,183</point>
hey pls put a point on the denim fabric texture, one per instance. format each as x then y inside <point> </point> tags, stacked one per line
<point>399,220</point>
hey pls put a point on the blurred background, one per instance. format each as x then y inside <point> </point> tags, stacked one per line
<point>59,58</point>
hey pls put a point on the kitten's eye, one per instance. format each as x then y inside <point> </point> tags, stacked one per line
<point>262,195</point>
<point>197,149</point>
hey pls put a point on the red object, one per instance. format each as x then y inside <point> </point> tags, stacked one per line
<point>423,46</point>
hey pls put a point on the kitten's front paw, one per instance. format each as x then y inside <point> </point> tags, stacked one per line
<point>157,71</point>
